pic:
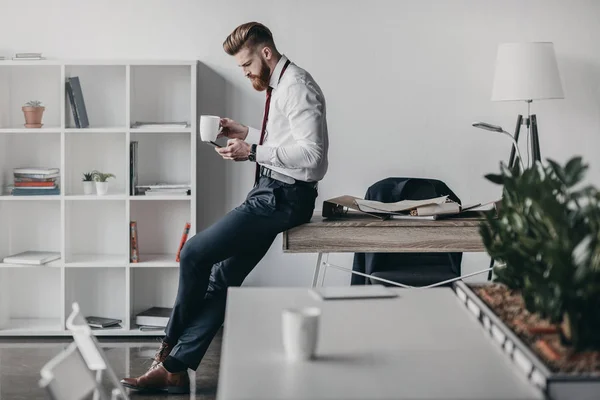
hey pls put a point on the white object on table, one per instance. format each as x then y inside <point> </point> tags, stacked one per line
<point>300,327</point>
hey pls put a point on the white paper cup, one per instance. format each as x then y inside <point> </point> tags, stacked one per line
<point>300,332</point>
<point>209,127</point>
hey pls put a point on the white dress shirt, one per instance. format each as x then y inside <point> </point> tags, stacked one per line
<point>296,141</point>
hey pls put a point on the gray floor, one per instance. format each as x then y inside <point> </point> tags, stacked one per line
<point>21,360</point>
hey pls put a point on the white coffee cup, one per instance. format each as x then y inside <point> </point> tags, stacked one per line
<point>300,332</point>
<point>209,127</point>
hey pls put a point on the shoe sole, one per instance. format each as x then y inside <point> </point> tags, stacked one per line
<point>168,389</point>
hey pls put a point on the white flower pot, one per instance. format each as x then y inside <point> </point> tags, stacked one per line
<point>88,187</point>
<point>101,188</point>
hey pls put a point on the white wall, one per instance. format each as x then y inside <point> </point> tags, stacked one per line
<point>403,81</point>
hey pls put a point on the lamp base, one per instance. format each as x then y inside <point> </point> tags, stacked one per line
<point>534,140</point>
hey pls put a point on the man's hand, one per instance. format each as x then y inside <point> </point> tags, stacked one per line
<point>236,150</point>
<point>232,129</point>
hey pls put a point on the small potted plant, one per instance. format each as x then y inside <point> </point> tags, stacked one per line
<point>88,182</point>
<point>33,111</point>
<point>101,181</point>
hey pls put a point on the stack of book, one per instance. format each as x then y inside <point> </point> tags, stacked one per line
<point>36,181</point>
<point>154,318</point>
<point>160,189</point>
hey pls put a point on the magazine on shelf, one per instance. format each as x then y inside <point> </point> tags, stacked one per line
<point>32,257</point>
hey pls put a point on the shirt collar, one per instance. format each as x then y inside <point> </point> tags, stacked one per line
<point>277,71</point>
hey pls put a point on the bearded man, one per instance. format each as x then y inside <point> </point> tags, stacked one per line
<point>290,153</point>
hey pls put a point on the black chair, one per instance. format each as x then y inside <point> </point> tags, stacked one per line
<point>412,269</point>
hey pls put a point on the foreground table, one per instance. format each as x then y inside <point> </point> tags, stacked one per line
<point>421,345</point>
<point>359,233</point>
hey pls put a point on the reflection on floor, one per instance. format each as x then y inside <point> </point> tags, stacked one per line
<point>21,360</point>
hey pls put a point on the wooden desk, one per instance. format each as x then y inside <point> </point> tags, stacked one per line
<point>360,233</point>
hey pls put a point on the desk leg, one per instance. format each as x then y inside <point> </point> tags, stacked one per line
<point>324,265</point>
<point>317,270</point>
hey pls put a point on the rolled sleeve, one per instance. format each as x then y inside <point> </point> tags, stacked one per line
<point>253,136</point>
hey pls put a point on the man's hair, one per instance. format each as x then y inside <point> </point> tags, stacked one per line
<point>250,34</point>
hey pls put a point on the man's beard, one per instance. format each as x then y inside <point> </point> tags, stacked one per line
<point>261,81</point>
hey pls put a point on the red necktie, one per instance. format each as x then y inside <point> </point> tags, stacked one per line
<point>264,129</point>
<point>266,118</point>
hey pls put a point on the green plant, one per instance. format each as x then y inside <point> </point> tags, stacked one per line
<point>33,103</point>
<point>547,234</point>
<point>88,176</point>
<point>102,176</point>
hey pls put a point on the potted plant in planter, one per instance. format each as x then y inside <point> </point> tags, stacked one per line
<point>88,182</point>
<point>101,179</point>
<point>33,111</point>
<point>545,240</point>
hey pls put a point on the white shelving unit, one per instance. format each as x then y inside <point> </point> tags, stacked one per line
<point>92,232</point>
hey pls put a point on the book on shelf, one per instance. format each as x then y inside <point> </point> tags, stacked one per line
<point>36,171</point>
<point>159,189</point>
<point>184,236</point>
<point>75,94</point>
<point>28,56</point>
<point>144,328</point>
<point>35,184</point>
<point>133,167</point>
<point>102,322</point>
<point>159,125</point>
<point>154,316</point>
<point>32,257</point>
<point>35,191</point>
<point>134,251</point>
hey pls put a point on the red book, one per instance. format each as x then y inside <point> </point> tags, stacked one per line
<point>34,184</point>
<point>186,231</point>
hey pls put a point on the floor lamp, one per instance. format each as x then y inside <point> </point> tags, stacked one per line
<point>526,72</point>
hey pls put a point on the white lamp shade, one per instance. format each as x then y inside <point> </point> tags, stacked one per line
<point>526,71</point>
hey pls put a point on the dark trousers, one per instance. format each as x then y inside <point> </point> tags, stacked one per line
<point>223,255</point>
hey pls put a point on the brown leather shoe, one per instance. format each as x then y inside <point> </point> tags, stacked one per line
<point>159,379</point>
<point>161,355</point>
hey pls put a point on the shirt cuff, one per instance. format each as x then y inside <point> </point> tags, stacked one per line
<point>253,136</point>
<point>264,154</point>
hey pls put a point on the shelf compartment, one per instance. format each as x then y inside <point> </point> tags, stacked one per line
<point>163,158</point>
<point>104,152</point>
<point>160,225</point>
<point>99,291</point>
<point>103,88</point>
<point>161,93</point>
<point>29,225</point>
<point>31,149</point>
<point>20,84</point>
<point>96,234</point>
<point>30,300</point>
<point>152,287</point>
